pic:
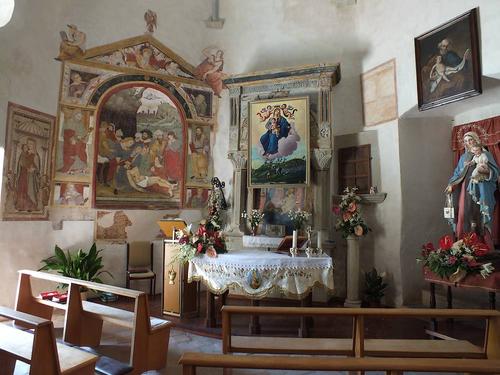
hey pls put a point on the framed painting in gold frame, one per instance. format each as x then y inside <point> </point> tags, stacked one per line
<point>278,148</point>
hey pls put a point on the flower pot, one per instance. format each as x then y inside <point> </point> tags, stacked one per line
<point>254,230</point>
<point>457,276</point>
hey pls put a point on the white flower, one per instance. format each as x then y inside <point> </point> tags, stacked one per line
<point>486,270</point>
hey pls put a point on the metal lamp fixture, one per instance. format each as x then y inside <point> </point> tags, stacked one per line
<point>6,10</point>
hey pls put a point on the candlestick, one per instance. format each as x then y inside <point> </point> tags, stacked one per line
<point>319,240</point>
<point>294,240</point>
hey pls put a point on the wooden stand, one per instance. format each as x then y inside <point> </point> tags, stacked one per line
<point>179,297</point>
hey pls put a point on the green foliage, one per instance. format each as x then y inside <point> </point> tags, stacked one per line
<point>79,265</point>
<point>374,286</point>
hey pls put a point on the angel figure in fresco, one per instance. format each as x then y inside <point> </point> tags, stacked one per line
<point>210,69</point>
<point>28,178</point>
<point>72,43</point>
<point>77,85</point>
<point>151,21</point>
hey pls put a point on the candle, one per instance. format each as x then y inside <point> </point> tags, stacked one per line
<point>294,241</point>
<point>319,240</point>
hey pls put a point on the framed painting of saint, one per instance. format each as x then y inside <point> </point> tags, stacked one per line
<point>69,194</point>
<point>140,150</point>
<point>448,62</point>
<point>278,146</point>
<point>27,166</point>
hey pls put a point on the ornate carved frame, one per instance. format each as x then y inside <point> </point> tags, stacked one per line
<point>314,81</point>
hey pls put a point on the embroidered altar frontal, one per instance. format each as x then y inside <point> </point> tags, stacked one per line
<point>256,273</point>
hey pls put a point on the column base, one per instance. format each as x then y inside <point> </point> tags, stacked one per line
<point>234,231</point>
<point>353,303</point>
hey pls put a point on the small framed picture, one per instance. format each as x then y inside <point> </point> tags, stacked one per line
<point>275,230</point>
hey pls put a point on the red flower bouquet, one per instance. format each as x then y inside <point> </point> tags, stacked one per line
<point>454,260</point>
<point>208,239</point>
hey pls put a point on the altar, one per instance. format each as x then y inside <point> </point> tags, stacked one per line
<point>257,273</point>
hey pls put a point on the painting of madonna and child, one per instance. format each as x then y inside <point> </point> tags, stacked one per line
<point>140,151</point>
<point>279,142</point>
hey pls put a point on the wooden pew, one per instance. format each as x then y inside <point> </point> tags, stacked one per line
<point>39,348</point>
<point>84,319</point>
<point>358,345</point>
<point>191,361</point>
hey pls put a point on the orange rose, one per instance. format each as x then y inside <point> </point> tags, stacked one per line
<point>358,230</point>
<point>211,252</point>
<point>346,216</point>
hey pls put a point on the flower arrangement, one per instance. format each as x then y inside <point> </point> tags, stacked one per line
<point>254,218</point>
<point>298,218</point>
<point>208,239</point>
<point>350,221</point>
<point>454,260</point>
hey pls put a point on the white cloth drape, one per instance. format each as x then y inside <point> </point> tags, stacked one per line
<point>256,273</point>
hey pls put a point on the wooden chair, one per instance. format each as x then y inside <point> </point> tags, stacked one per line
<point>140,264</point>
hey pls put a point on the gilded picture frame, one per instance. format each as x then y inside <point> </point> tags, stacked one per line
<point>448,62</point>
<point>278,143</point>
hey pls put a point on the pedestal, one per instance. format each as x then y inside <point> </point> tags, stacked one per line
<point>353,299</point>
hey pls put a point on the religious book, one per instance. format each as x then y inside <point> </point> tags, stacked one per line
<point>287,241</point>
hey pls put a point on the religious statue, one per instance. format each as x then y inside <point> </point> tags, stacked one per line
<point>72,43</point>
<point>473,186</point>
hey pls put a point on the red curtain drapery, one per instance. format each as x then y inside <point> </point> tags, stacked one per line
<point>489,133</point>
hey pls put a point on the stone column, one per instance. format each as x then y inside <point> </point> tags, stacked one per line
<point>239,160</point>
<point>353,298</point>
<point>321,165</point>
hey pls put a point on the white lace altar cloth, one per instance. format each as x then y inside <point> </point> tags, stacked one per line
<point>261,241</point>
<point>257,273</point>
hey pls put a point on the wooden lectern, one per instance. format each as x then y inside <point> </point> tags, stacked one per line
<point>179,298</point>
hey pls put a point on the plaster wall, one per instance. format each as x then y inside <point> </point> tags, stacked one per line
<point>30,76</point>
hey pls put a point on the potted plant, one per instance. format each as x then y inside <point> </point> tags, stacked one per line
<point>374,288</point>
<point>80,265</point>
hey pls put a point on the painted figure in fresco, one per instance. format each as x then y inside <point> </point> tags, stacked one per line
<point>277,127</point>
<point>198,198</point>
<point>151,21</point>
<point>200,104</point>
<point>172,158</point>
<point>210,69</point>
<point>121,156</point>
<point>141,183</point>
<point>77,86</point>
<point>71,196</point>
<point>28,178</point>
<point>44,190</point>
<point>72,43</point>
<point>475,201</point>
<point>75,137</point>
<point>118,230</point>
<point>200,148</point>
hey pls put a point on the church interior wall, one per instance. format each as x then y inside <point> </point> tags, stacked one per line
<point>287,33</point>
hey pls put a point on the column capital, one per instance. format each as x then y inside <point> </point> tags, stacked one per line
<point>239,159</point>
<point>322,158</point>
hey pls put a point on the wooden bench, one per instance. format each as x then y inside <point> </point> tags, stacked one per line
<point>358,345</point>
<point>39,348</point>
<point>83,319</point>
<point>191,361</point>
